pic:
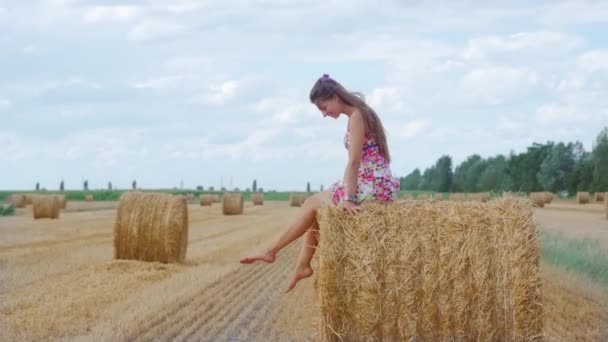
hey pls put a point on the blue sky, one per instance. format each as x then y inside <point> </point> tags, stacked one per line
<point>207,92</point>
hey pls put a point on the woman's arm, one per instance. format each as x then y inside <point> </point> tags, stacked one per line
<point>355,147</point>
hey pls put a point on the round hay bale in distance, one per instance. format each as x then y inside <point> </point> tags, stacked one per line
<point>295,199</point>
<point>206,200</point>
<point>538,199</point>
<point>17,200</point>
<point>88,198</point>
<point>599,196</point>
<point>63,202</point>
<point>582,197</point>
<point>548,197</point>
<point>257,198</point>
<point>45,206</point>
<point>233,203</point>
<point>151,227</point>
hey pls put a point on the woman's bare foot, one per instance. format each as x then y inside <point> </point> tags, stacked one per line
<point>266,257</point>
<point>301,273</point>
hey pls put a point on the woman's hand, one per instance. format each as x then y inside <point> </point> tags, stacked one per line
<point>351,207</point>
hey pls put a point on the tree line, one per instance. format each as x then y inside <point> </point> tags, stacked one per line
<point>552,166</point>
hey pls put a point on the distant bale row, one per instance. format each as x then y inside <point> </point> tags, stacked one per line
<point>151,227</point>
<point>599,196</point>
<point>17,200</point>
<point>429,271</point>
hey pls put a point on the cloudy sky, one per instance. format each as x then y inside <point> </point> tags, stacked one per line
<point>206,92</point>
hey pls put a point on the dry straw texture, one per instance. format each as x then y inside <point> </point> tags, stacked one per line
<point>257,199</point>
<point>582,197</point>
<point>599,196</point>
<point>63,202</point>
<point>151,227</point>
<point>457,197</point>
<point>548,197</point>
<point>88,198</point>
<point>480,196</point>
<point>17,200</point>
<point>206,200</point>
<point>46,206</point>
<point>28,199</point>
<point>233,203</point>
<point>538,199</point>
<point>429,271</point>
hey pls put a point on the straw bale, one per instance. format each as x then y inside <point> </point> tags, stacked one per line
<point>599,196</point>
<point>28,199</point>
<point>606,205</point>
<point>538,199</point>
<point>17,200</point>
<point>438,196</point>
<point>206,200</point>
<point>429,271</point>
<point>232,203</point>
<point>190,197</point>
<point>88,198</point>
<point>257,198</point>
<point>45,206</point>
<point>295,199</point>
<point>151,227</point>
<point>63,202</point>
<point>582,197</point>
<point>548,197</point>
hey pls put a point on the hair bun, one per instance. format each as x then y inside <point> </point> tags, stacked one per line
<point>325,75</point>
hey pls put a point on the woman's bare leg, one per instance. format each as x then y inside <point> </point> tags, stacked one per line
<point>309,246</point>
<point>297,228</point>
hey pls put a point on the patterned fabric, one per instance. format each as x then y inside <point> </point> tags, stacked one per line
<point>375,181</point>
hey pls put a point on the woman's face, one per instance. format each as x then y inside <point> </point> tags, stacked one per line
<point>329,107</point>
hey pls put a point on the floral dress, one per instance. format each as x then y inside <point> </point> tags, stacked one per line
<point>375,181</point>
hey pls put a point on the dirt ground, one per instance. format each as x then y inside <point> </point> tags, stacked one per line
<point>58,280</point>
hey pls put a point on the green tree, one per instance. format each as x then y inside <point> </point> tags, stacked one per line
<point>493,177</point>
<point>255,185</point>
<point>442,181</point>
<point>558,163</point>
<point>599,161</point>
<point>411,181</point>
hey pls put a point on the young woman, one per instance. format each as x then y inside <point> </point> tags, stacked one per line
<point>367,175</point>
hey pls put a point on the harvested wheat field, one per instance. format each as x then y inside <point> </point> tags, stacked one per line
<point>58,280</point>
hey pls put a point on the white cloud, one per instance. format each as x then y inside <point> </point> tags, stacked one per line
<point>155,30</point>
<point>594,61</point>
<point>414,128</point>
<point>185,6</point>
<point>201,63</point>
<point>484,46</point>
<point>388,98</point>
<point>109,13</point>
<point>163,82</point>
<point>494,85</point>
<point>219,94</point>
<point>552,114</point>
<point>5,104</point>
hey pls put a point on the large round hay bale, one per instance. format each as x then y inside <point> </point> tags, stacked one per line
<point>582,197</point>
<point>257,198</point>
<point>46,206</point>
<point>232,203</point>
<point>548,197</point>
<point>17,200</point>
<point>537,199</point>
<point>63,202</point>
<point>429,271</point>
<point>206,200</point>
<point>88,198</point>
<point>151,227</point>
<point>599,197</point>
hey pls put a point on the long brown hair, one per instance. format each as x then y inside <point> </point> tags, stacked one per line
<point>326,87</point>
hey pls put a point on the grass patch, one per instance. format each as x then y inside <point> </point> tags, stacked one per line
<point>582,256</point>
<point>7,209</point>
